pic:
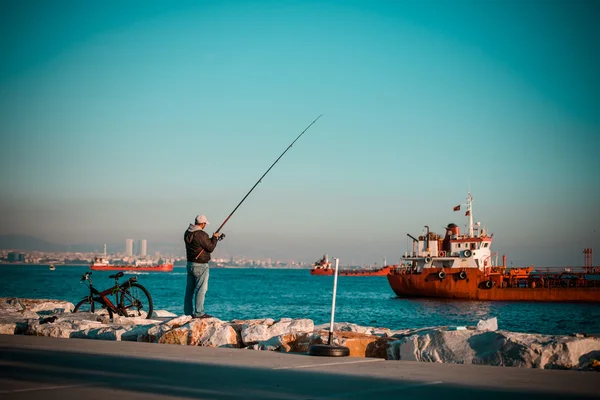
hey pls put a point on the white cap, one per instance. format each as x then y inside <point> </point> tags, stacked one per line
<point>201,219</point>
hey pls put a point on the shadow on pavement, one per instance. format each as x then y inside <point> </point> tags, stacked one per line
<point>202,380</point>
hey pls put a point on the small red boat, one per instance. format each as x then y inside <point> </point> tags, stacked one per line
<point>102,264</point>
<point>323,267</point>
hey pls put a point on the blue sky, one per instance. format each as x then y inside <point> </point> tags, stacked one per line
<point>126,119</point>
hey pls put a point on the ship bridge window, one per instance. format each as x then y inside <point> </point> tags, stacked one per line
<point>473,246</point>
<point>485,244</point>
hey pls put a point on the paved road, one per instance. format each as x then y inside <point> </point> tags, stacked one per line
<point>49,368</point>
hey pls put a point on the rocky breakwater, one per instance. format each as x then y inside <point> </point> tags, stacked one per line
<point>482,344</point>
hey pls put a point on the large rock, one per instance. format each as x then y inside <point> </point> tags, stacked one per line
<point>208,332</point>
<point>120,320</point>
<point>399,334</point>
<point>85,325</point>
<point>498,348</point>
<point>436,346</point>
<point>11,304</point>
<point>163,314</point>
<point>244,325</point>
<point>100,333</point>
<point>14,316</point>
<point>137,333</point>
<point>552,352</point>
<point>156,331</point>
<point>37,305</point>
<point>65,325</point>
<point>119,328</point>
<point>287,343</point>
<point>15,323</point>
<point>488,324</point>
<point>217,335</point>
<point>253,333</point>
<point>350,327</point>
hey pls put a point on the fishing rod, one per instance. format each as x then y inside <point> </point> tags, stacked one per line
<point>260,180</point>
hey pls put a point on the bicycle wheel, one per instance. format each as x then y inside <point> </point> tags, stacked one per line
<point>93,306</point>
<point>135,301</point>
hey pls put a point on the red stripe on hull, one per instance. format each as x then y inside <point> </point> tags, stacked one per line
<point>359,272</point>
<point>157,268</point>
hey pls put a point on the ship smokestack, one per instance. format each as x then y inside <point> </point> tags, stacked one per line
<point>451,230</point>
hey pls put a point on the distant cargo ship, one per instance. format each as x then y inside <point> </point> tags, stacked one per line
<point>460,266</point>
<point>102,264</point>
<point>323,267</point>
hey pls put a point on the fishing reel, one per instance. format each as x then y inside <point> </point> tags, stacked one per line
<point>221,237</point>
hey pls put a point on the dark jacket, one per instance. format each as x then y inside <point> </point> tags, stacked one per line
<point>196,240</point>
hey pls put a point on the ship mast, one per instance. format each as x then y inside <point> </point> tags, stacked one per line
<point>470,213</point>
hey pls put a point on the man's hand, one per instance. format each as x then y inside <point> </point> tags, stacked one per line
<point>216,234</point>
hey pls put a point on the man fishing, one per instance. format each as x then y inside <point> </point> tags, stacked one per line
<point>198,246</point>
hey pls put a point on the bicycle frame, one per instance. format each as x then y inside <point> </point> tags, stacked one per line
<point>103,296</point>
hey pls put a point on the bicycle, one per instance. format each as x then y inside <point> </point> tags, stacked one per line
<point>131,298</point>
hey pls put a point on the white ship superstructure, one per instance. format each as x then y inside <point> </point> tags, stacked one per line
<point>454,250</point>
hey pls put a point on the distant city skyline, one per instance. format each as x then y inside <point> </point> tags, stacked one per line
<point>126,121</point>
<point>129,247</point>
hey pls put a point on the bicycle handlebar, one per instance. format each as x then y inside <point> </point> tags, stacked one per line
<point>85,276</point>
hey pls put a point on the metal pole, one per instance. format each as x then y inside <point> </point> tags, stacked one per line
<point>328,350</point>
<point>335,276</point>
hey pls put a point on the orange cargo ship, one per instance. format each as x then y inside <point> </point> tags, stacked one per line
<point>460,266</point>
<point>323,267</point>
<point>102,264</point>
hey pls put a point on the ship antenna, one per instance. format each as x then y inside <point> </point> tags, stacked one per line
<point>470,212</point>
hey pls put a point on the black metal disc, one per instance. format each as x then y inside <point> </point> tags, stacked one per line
<point>325,350</point>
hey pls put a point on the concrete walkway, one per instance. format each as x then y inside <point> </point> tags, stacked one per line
<point>49,368</point>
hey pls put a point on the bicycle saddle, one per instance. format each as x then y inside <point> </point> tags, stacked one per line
<point>117,275</point>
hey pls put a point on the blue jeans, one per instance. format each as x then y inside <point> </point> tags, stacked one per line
<point>197,285</point>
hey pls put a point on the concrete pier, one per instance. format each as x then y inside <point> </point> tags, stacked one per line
<point>50,368</point>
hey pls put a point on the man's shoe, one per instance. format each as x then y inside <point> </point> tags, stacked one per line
<point>202,316</point>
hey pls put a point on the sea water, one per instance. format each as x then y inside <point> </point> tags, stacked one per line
<point>244,293</point>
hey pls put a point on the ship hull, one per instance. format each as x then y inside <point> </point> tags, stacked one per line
<point>475,286</point>
<point>357,272</point>
<point>157,268</point>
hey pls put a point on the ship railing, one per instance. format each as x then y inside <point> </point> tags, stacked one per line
<point>403,269</point>
<point>568,270</point>
<point>552,278</point>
